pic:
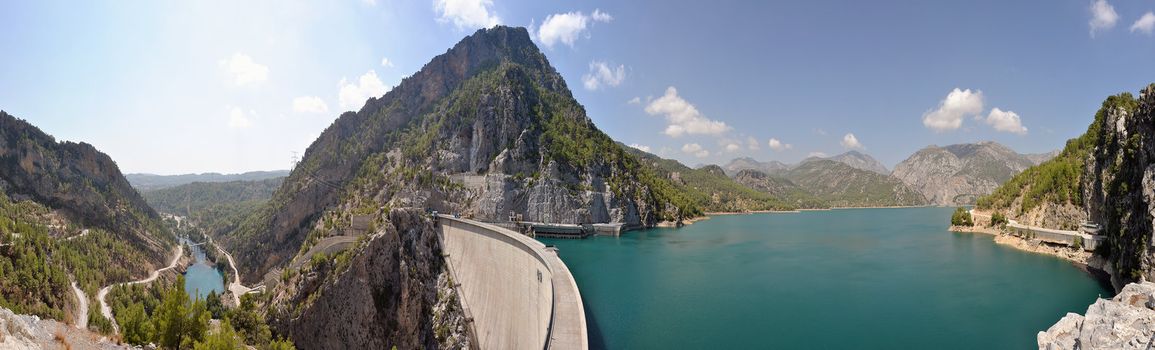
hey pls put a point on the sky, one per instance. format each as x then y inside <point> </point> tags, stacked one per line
<point>172,87</point>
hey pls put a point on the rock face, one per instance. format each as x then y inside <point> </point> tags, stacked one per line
<point>959,174</point>
<point>858,160</point>
<point>78,181</point>
<point>25,332</point>
<point>393,293</point>
<point>1118,182</point>
<point>1126,321</point>
<point>487,129</point>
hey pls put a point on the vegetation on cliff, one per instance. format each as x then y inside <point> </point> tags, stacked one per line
<point>962,217</point>
<point>490,108</point>
<point>1058,181</point>
<point>1102,176</point>
<point>708,188</point>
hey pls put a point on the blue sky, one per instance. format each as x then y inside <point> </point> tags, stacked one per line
<point>193,86</point>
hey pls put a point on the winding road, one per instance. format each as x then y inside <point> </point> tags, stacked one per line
<point>235,287</point>
<point>81,306</point>
<point>103,293</point>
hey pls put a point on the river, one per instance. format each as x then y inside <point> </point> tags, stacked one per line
<point>201,278</point>
<point>855,278</point>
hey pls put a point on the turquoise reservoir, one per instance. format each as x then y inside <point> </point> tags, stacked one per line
<point>201,278</point>
<point>839,279</point>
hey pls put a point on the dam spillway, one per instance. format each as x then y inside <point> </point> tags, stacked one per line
<point>518,292</point>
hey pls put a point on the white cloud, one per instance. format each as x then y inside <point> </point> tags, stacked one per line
<point>1007,121</point>
<point>567,27</point>
<point>733,147</point>
<point>695,150</point>
<point>952,109</point>
<point>752,144</point>
<point>683,117</point>
<point>600,16</point>
<point>778,146</point>
<point>385,62</point>
<point>309,104</point>
<point>239,120</point>
<point>353,94</point>
<point>642,148</point>
<point>466,14</point>
<point>817,154</point>
<point>370,2</point>
<point>1145,24</point>
<point>243,70</point>
<point>851,142</point>
<point>602,74</point>
<point>1103,16</point>
<point>635,100</point>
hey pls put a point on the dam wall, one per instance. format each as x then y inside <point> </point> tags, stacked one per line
<point>518,292</point>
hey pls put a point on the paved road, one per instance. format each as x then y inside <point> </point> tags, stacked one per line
<point>103,293</point>
<point>328,245</point>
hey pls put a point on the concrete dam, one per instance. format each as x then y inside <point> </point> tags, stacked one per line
<point>518,293</point>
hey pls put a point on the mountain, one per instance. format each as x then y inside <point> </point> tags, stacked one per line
<point>147,182</point>
<point>217,207</point>
<point>959,174</point>
<point>862,161</point>
<point>486,129</point>
<point>709,188</point>
<point>747,163</point>
<point>66,212</point>
<point>841,185</point>
<point>1104,176</point>
<point>854,159</point>
<point>780,188</point>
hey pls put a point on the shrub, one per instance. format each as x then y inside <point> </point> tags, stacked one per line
<point>961,217</point>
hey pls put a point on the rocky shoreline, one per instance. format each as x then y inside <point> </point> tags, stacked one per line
<point>1126,321</point>
<point>1077,256</point>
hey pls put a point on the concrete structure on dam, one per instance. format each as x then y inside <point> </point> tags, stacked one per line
<point>519,293</point>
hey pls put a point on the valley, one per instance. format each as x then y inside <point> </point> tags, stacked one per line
<point>501,174</point>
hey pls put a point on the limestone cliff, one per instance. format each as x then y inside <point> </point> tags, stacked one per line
<point>487,129</point>
<point>1126,321</point>
<point>1106,176</point>
<point>959,174</point>
<point>390,290</point>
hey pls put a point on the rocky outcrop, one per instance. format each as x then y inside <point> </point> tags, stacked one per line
<point>859,160</point>
<point>79,182</point>
<point>393,292</point>
<point>25,332</point>
<point>1126,321</point>
<point>959,174</point>
<point>1118,182</point>
<point>487,129</point>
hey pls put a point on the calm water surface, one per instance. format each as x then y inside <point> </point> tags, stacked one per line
<point>201,278</point>
<point>860,278</point>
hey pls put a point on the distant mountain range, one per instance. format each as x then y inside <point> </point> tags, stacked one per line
<point>950,175</point>
<point>146,182</point>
